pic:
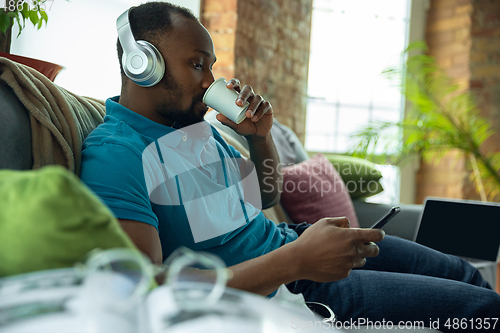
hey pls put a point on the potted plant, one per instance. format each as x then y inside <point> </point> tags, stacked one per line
<point>18,12</point>
<point>441,117</point>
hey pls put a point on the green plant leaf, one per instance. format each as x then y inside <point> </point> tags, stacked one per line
<point>44,16</point>
<point>18,19</point>
<point>25,11</point>
<point>33,15</point>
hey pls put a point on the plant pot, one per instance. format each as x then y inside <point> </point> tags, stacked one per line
<point>48,69</point>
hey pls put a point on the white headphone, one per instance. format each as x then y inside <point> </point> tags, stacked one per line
<point>141,61</point>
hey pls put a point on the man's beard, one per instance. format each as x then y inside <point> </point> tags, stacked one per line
<point>171,108</point>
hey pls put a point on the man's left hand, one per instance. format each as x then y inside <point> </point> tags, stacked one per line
<point>259,115</point>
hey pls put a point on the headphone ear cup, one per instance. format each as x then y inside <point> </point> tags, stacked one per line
<point>144,65</point>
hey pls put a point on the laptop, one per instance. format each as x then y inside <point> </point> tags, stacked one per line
<point>464,228</point>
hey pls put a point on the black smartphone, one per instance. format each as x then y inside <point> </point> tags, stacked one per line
<point>393,212</point>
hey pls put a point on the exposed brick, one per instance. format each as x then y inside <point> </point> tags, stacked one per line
<point>441,14</point>
<point>441,37</point>
<point>449,24</point>
<point>457,73</point>
<point>487,44</point>
<point>464,9</point>
<point>442,179</point>
<point>488,71</point>
<point>450,49</point>
<point>461,59</point>
<point>224,58</point>
<point>220,21</point>
<point>227,72</point>
<point>444,61</point>
<point>463,84</point>
<point>478,57</point>
<point>492,144</point>
<point>219,5</point>
<point>462,34</point>
<point>492,19</point>
<point>485,32</point>
<point>223,40</point>
<point>270,50</point>
<point>279,48</point>
<point>475,84</point>
<point>474,50</point>
<point>438,5</point>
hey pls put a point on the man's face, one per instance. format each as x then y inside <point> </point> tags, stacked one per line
<point>189,56</point>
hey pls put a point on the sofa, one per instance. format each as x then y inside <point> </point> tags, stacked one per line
<point>16,154</point>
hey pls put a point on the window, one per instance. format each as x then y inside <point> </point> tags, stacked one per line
<point>352,43</point>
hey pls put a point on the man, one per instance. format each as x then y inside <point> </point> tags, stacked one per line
<point>406,282</point>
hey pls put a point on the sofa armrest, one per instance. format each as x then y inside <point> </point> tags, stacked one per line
<point>403,225</point>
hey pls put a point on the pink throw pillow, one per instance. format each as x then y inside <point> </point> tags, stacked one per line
<point>313,189</point>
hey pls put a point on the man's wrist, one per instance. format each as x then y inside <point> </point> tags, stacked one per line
<point>253,138</point>
<point>289,256</point>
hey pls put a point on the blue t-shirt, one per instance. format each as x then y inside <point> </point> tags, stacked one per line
<point>170,179</point>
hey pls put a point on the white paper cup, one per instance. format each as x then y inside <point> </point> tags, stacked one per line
<point>223,100</point>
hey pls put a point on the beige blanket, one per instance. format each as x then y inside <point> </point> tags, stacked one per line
<point>60,120</point>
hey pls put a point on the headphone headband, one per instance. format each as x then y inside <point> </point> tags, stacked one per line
<point>125,33</point>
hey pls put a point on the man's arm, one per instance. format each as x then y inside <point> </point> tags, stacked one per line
<point>145,237</point>
<point>265,158</point>
<point>326,251</point>
<point>257,130</point>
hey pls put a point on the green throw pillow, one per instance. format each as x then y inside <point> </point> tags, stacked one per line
<point>49,219</point>
<point>360,176</point>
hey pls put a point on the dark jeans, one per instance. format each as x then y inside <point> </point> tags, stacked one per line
<point>408,282</point>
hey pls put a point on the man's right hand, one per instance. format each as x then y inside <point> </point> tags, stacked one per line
<point>328,250</point>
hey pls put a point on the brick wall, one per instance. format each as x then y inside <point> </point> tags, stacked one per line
<point>485,70</point>
<point>265,43</point>
<point>442,179</point>
<point>448,37</point>
<point>220,18</point>
<point>464,37</point>
<point>485,63</point>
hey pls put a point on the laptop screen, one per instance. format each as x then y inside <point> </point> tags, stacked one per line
<point>463,228</point>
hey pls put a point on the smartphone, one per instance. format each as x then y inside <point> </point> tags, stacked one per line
<point>393,212</point>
